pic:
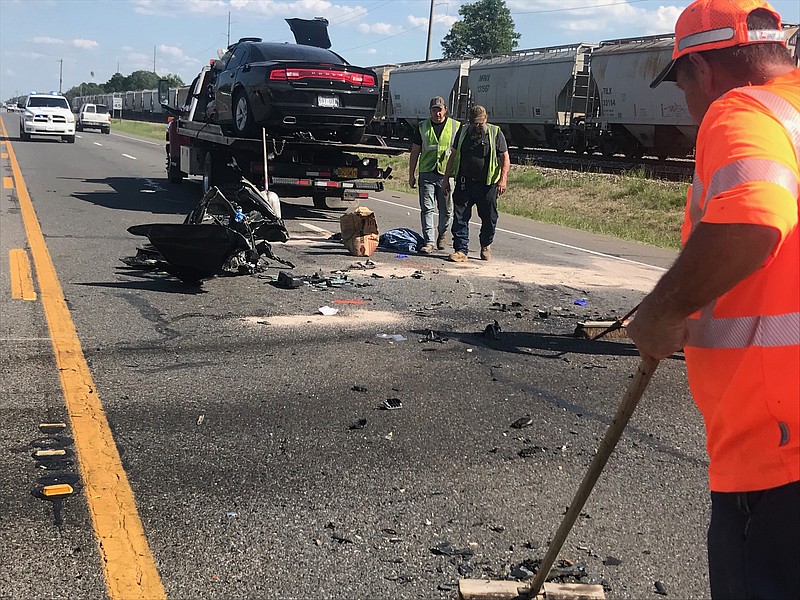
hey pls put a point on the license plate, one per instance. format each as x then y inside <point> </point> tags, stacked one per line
<point>49,128</point>
<point>348,172</point>
<point>328,101</point>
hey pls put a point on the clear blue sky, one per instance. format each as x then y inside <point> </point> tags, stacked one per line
<point>99,36</point>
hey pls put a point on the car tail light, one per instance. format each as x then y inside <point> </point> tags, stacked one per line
<point>291,74</point>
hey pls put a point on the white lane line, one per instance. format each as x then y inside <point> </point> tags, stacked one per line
<point>98,144</point>
<point>538,239</point>
<point>314,228</point>
<point>125,137</point>
<point>129,156</point>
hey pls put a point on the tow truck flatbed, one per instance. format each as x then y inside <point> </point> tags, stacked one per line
<point>213,133</point>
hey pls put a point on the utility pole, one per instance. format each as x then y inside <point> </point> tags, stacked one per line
<point>60,73</point>
<point>229,29</point>
<point>430,31</point>
<point>154,59</point>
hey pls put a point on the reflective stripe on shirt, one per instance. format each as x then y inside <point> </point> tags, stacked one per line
<point>743,332</point>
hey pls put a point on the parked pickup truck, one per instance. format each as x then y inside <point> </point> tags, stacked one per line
<point>94,116</point>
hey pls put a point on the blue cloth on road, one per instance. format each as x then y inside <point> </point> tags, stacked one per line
<point>402,239</point>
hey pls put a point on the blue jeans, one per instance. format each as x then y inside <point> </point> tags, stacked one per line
<point>754,544</point>
<point>431,197</point>
<point>469,193</point>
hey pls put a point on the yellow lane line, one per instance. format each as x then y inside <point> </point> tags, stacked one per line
<point>20,272</point>
<point>130,569</point>
<point>8,183</point>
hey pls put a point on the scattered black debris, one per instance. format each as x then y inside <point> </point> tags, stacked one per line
<point>611,561</point>
<point>432,336</point>
<point>447,587</point>
<point>341,539</point>
<point>360,424</point>
<point>392,404</point>
<point>542,314</point>
<point>399,578</point>
<point>361,266</point>
<point>503,307</point>
<point>447,549</point>
<point>497,528</point>
<point>528,451</point>
<point>660,589</point>
<point>492,330</point>
<point>389,531</point>
<point>521,572</point>
<point>418,275</point>
<point>465,569</point>
<point>522,422</point>
<point>288,282</point>
<point>359,388</point>
<point>532,545</point>
<point>564,571</point>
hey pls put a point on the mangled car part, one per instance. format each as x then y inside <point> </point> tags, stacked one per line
<point>220,236</point>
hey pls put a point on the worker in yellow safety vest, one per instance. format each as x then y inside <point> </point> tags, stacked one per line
<point>732,298</point>
<point>431,145</point>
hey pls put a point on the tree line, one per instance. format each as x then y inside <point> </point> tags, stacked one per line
<point>135,82</point>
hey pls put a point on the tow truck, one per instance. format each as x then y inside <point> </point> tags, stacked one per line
<point>295,167</point>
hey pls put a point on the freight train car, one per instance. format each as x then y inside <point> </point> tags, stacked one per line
<point>411,87</point>
<point>539,97</point>
<point>633,118</point>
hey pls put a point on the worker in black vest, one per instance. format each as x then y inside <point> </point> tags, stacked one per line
<point>480,164</point>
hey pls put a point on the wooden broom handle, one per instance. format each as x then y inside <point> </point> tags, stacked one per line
<point>627,405</point>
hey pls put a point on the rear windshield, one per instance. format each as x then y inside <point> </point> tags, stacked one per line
<point>102,109</point>
<point>42,102</point>
<point>295,52</point>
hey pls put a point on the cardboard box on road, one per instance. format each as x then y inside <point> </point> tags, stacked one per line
<point>360,231</point>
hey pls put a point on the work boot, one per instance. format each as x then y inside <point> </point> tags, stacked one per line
<point>458,256</point>
<point>441,241</point>
<point>426,249</point>
<point>486,253</point>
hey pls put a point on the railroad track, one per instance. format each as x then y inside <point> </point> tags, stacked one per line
<point>672,169</point>
<point>654,168</point>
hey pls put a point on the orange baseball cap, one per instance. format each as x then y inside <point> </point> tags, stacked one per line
<point>713,24</point>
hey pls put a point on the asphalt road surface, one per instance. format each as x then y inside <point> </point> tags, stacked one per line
<point>210,438</point>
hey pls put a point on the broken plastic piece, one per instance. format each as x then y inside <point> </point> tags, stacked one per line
<point>327,310</point>
<point>358,388</point>
<point>288,282</point>
<point>492,330</point>
<point>660,589</point>
<point>522,422</point>
<point>432,336</point>
<point>392,403</point>
<point>447,549</point>
<point>581,302</point>
<point>360,424</point>
<point>611,561</point>
<point>395,337</point>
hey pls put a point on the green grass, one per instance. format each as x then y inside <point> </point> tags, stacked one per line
<point>155,131</point>
<point>631,207</point>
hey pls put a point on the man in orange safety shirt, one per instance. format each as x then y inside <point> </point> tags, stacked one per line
<point>732,298</point>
